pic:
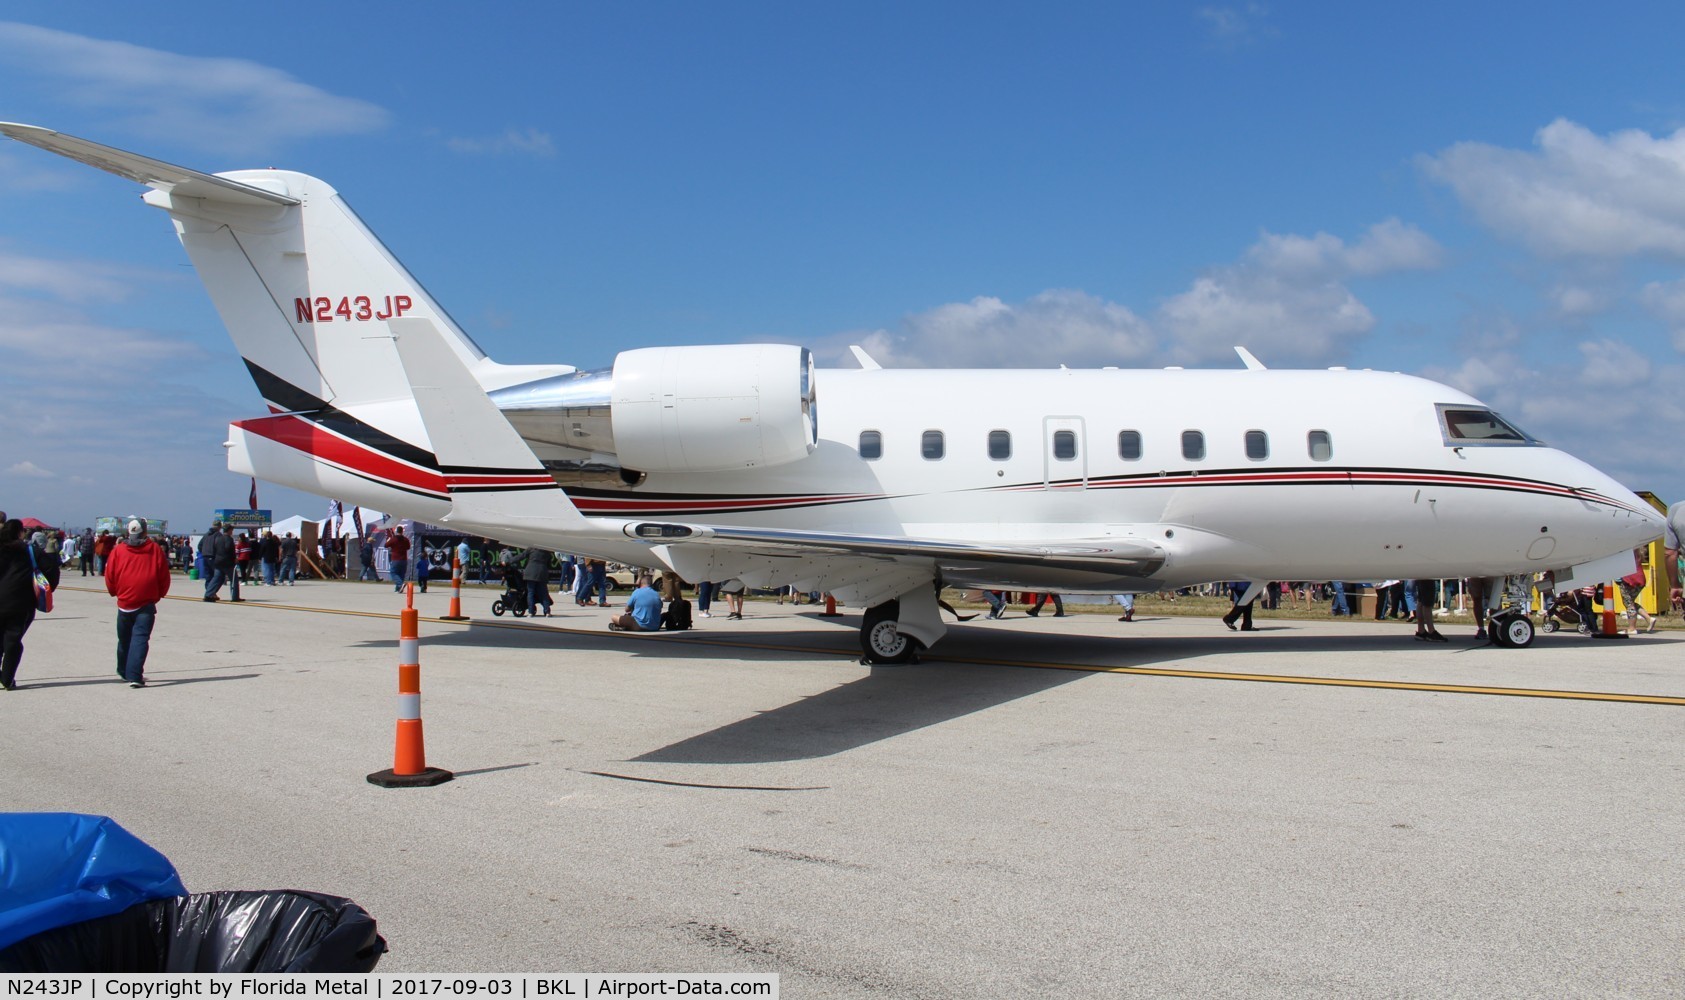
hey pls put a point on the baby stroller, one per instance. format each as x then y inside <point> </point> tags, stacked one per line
<point>514,599</point>
<point>1572,608</point>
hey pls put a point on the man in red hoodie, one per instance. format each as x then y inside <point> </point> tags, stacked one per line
<point>138,575</point>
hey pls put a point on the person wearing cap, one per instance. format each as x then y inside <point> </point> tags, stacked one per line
<point>138,575</point>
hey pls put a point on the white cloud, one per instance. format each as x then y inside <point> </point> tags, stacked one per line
<point>28,470</point>
<point>1612,364</point>
<point>1666,301</point>
<point>27,175</point>
<point>69,280</point>
<point>1061,326</point>
<point>1236,25</point>
<point>528,141</point>
<point>33,332</point>
<point>1287,296</point>
<point>233,106</point>
<point>1572,301</point>
<point>1575,193</point>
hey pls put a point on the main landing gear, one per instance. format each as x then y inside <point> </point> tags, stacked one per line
<point>895,631</point>
<point>881,638</point>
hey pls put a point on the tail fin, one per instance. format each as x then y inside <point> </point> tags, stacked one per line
<point>303,286</point>
<point>308,295</point>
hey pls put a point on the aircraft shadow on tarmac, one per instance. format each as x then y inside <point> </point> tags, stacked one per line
<point>889,701</point>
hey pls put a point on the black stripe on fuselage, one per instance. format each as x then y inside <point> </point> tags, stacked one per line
<point>290,398</point>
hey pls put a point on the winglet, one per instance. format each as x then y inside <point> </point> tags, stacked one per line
<point>1246,358</point>
<point>144,169</point>
<point>494,479</point>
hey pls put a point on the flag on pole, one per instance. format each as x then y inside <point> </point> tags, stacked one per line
<point>357,519</point>
<point>253,500</point>
<point>335,509</point>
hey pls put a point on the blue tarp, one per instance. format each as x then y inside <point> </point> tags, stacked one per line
<point>64,868</point>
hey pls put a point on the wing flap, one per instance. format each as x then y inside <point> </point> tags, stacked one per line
<point>1135,557</point>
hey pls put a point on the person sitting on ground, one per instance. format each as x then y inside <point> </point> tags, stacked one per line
<point>643,610</point>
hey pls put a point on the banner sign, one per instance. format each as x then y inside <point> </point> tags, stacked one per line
<point>243,518</point>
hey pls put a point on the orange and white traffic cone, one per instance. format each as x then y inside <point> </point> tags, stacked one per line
<point>1608,628</point>
<point>409,756</point>
<point>456,614</point>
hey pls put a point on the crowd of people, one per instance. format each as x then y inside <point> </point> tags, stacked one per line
<point>137,569</point>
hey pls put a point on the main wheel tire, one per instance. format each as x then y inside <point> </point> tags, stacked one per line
<point>881,639</point>
<point>497,608</point>
<point>1517,632</point>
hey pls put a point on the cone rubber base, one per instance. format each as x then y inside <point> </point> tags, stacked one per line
<point>454,618</point>
<point>425,778</point>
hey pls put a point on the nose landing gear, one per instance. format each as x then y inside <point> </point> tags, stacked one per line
<point>1511,630</point>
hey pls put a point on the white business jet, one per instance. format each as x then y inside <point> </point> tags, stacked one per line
<point>718,462</point>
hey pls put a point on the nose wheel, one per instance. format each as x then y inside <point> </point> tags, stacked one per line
<point>1512,631</point>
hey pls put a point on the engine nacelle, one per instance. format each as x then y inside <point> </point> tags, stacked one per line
<point>709,409</point>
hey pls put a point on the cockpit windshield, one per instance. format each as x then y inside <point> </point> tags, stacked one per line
<point>1473,425</point>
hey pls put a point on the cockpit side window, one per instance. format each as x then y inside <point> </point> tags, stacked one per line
<point>1464,426</point>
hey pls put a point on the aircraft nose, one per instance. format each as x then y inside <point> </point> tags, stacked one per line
<point>1642,523</point>
<point>1652,526</point>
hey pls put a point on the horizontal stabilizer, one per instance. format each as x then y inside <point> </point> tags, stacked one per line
<point>154,173</point>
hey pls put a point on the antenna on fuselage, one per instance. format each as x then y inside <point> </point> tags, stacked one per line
<point>1246,358</point>
<point>865,359</point>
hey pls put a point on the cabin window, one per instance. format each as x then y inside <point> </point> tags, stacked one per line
<point>1466,425</point>
<point>1193,445</point>
<point>871,445</point>
<point>1129,445</point>
<point>1320,445</point>
<point>1000,445</point>
<point>932,446</point>
<point>1064,445</point>
<point>1257,445</point>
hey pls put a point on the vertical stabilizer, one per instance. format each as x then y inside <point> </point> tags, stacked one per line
<point>308,295</point>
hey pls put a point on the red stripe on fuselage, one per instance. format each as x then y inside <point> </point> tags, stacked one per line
<point>301,435</point>
<point>323,445</point>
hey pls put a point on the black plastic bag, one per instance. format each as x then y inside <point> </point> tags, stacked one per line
<point>236,931</point>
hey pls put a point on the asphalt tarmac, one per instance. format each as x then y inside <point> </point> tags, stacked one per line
<point>1070,807</point>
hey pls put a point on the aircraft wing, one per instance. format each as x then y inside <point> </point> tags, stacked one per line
<point>1137,557</point>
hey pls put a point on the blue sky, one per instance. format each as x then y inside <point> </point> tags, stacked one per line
<point>1492,197</point>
